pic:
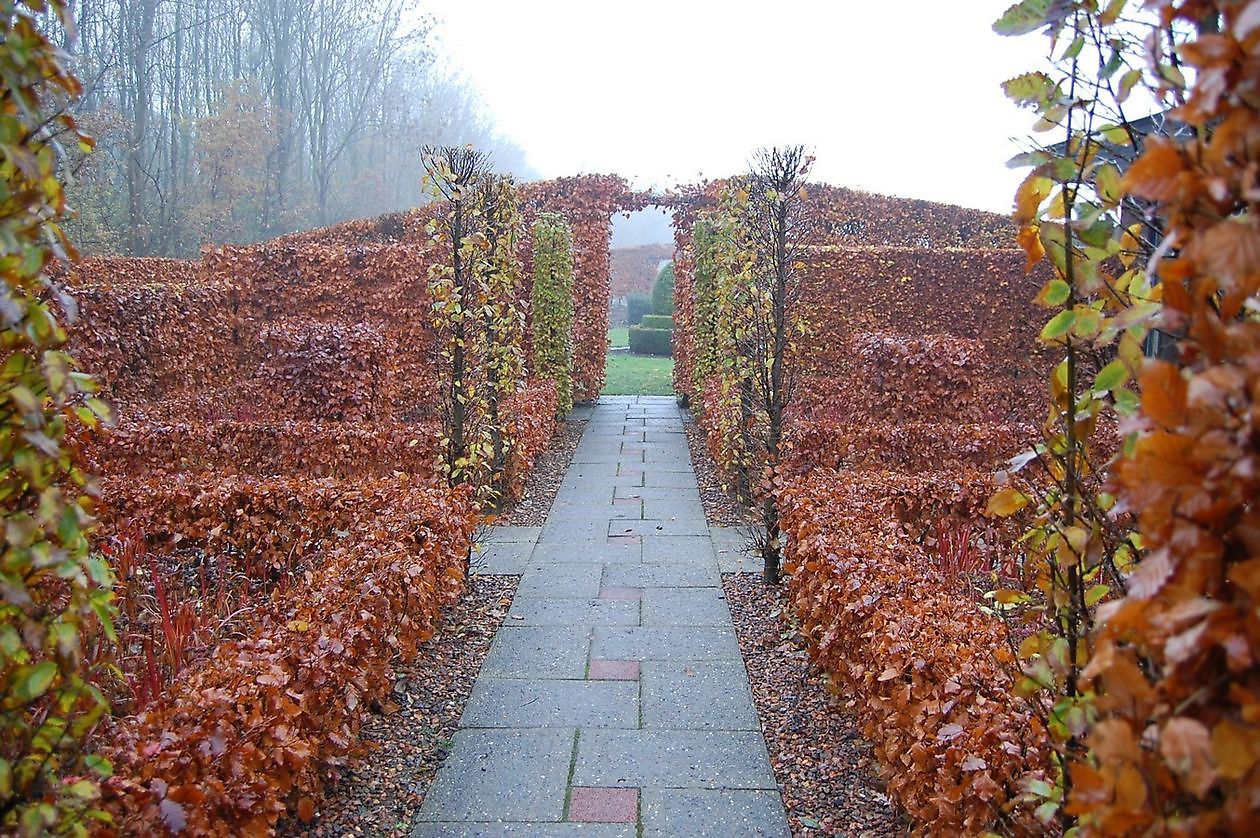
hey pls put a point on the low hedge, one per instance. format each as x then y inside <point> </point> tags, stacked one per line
<point>658,321</point>
<point>650,341</point>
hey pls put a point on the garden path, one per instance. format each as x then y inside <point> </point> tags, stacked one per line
<point>614,701</point>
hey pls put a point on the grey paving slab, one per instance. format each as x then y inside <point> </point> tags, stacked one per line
<point>685,607</point>
<point>682,549</point>
<point>665,526</point>
<point>556,581</point>
<point>680,507</point>
<point>595,551</point>
<point>514,703</point>
<point>538,652</point>
<point>510,535</point>
<point>671,643</point>
<point>508,558</point>
<point>665,493</point>
<point>712,813</point>
<point>570,529</point>
<point>481,778</point>
<point>670,480</point>
<point>661,575</point>
<point>537,611</point>
<point>733,759</point>
<point>696,695</point>
<point>449,829</point>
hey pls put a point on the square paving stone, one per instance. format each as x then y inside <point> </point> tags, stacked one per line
<point>679,508</point>
<point>510,535</point>
<point>539,611</point>
<point>682,549</point>
<point>501,558</point>
<point>664,644</point>
<point>538,652</point>
<point>697,695</point>
<point>627,509</point>
<point>481,778</point>
<point>603,805</point>
<point>661,575</point>
<point>608,670</point>
<point>658,479</point>
<point>560,581</point>
<point>565,530</point>
<point>713,813</point>
<point>595,551</point>
<point>496,829</point>
<point>671,526</point>
<point>497,702</point>
<point>620,592</point>
<point>685,607</point>
<point>684,758</point>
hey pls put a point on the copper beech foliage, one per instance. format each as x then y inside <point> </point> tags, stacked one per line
<point>1177,743</point>
<point>915,374</point>
<point>275,467</point>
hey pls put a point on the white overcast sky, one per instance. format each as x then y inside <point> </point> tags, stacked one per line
<point>899,97</point>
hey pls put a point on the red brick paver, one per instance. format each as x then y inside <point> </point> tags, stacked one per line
<point>603,805</point>
<point>607,670</point>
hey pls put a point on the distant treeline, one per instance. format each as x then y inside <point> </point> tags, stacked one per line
<point>237,120</point>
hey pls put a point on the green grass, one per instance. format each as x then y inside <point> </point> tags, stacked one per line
<point>619,336</point>
<point>639,375</point>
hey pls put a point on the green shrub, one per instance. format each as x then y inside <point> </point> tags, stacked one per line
<point>658,321</point>
<point>663,291</point>
<point>553,305</point>
<point>650,341</point>
<point>637,306</point>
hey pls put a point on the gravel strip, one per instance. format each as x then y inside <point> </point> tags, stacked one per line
<point>380,793</point>
<point>549,469</point>
<point>720,508</point>
<point>824,769</point>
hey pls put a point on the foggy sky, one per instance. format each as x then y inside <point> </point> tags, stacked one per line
<point>900,98</point>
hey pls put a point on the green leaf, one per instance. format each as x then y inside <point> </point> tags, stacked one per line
<point>1126,401</point>
<point>30,682</point>
<point>99,765</point>
<point>1023,18</point>
<point>6,779</point>
<point>1029,88</point>
<point>1054,293</point>
<point>1107,183</point>
<point>1127,81</point>
<point>1059,325</point>
<point>1095,595</point>
<point>1111,376</point>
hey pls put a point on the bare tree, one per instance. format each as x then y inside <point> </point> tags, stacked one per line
<point>774,230</point>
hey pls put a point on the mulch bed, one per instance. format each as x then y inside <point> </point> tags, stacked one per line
<point>824,769</point>
<point>549,469</point>
<point>381,792</point>
<point>720,509</point>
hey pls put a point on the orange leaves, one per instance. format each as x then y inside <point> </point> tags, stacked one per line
<point>1163,393</point>
<point>929,670</point>
<point>1160,174</point>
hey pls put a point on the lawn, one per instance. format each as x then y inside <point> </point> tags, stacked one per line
<point>619,336</point>
<point>639,375</point>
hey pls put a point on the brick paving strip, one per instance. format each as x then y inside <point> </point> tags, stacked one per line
<point>614,700</point>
